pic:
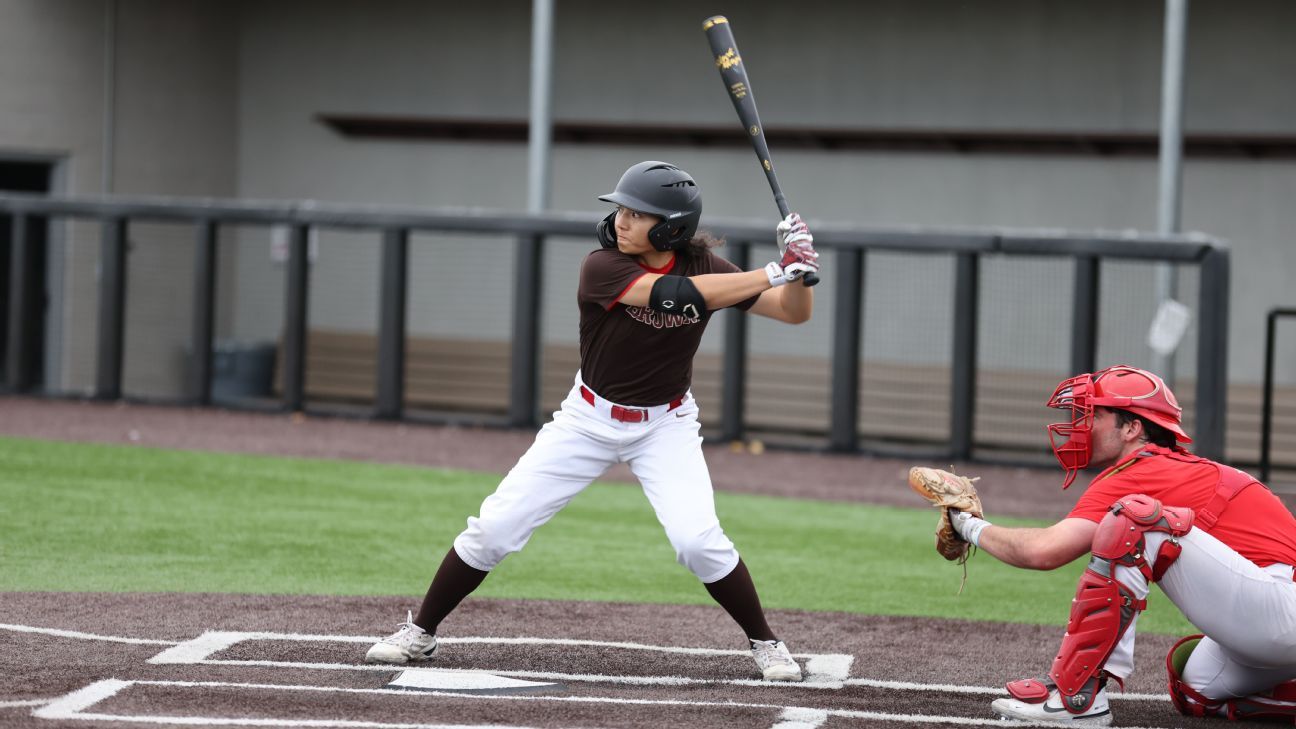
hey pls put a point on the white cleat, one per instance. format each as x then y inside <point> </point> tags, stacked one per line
<point>408,644</point>
<point>1051,711</point>
<point>774,661</point>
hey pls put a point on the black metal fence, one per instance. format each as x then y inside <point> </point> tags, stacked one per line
<point>851,245</point>
<point>1266,402</point>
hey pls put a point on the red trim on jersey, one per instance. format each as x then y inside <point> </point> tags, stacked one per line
<point>664,269</point>
<point>624,291</point>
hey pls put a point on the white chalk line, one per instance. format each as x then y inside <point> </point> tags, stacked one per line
<point>988,690</point>
<point>73,706</point>
<point>17,704</point>
<point>801,719</point>
<point>84,636</point>
<point>823,670</point>
<point>826,671</point>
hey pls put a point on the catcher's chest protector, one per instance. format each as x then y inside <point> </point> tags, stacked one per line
<point>1104,607</point>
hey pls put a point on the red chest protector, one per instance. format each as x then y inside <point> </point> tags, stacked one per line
<point>1231,483</point>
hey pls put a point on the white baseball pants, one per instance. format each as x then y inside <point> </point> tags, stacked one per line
<point>575,448</point>
<point>1247,613</point>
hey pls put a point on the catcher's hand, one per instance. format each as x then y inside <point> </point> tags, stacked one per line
<point>947,491</point>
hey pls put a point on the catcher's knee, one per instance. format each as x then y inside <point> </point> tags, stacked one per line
<point>1119,538</point>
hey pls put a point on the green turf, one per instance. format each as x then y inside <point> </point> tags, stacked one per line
<point>80,517</point>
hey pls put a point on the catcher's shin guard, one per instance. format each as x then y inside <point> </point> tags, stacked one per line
<point>1278,702</point>
<point>1104,608</point>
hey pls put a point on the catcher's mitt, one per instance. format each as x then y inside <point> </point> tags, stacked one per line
<point>947,491</point>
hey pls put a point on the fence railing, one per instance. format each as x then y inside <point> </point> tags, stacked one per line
<point>1266,401</point>
<point>850,243</point>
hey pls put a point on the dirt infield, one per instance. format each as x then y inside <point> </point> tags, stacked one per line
<point>72,659</point>
<point>301,663</point>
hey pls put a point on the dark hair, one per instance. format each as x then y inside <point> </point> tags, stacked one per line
<point>700,243</point>
<point>1156,434</point>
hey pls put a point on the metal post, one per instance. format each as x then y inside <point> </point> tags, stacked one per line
<point>733,376</point>
<point>1266,401</point>
<point>844,434</point>
<point>524,372</point>
<point>1212,355</point>
<point>1170,158</point>
<point>541,126</point>
<point>1084,315</point>
<point>204,313</point>
<point>17,359</point>
<point>112,309</point>
<point>391,324</point>
<point>297,279</point>
<point>963,375</point>
<point>524,377</point>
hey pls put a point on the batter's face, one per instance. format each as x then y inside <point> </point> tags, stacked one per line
<point>632,229</point>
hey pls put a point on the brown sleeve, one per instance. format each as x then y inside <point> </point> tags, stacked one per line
<point>605,277</point>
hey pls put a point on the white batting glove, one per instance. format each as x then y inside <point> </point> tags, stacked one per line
<point>797,248</point>
<point>792,230</point>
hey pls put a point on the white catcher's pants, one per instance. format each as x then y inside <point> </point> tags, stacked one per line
<point>1247,613</point>
<point>575,448</point>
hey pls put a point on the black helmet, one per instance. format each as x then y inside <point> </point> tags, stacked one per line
<point>661,189</point>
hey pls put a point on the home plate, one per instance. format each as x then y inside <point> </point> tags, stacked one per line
<point>424,679</point>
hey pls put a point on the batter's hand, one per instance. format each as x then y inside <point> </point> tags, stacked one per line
<point>798,254</point>
<point>793,230</point>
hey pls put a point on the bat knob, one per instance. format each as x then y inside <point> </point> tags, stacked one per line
<point>810,279</point>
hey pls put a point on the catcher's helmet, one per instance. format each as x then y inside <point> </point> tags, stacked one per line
<point>661,189</point>
<point>1121,388</point>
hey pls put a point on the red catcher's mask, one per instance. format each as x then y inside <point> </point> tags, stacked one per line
<point>1121,388</point>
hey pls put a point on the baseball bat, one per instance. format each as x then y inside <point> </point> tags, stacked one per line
<point>729,63</point>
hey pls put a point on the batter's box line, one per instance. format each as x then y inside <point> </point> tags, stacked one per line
<point>74,706</point>
<point>824,670</point>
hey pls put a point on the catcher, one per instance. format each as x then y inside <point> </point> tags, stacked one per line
<point>1219,543</point>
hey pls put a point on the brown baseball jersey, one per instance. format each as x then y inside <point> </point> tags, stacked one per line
<point>633,355</point>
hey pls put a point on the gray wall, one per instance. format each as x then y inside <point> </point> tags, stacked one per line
<point>1035,66</point>
<point>221,99</point>
<point>169,105</point>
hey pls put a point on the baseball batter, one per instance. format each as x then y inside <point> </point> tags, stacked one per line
<point>1218,542</point>
<point>645,298</point>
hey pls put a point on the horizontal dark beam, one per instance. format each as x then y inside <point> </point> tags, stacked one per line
<point>961,141</point>
<point>1186,247</point>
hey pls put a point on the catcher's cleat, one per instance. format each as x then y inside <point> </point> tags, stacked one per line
<point>774,661</point>
<point>1040,707</point>
<point>408,644</point>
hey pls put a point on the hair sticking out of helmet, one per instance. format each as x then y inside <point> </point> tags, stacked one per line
<point>1121,387</point>
<point>664,190</point>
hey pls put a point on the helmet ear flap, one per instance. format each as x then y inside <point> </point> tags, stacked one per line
<point>604,230</point>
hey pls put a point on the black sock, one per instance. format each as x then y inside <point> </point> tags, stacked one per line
<point>454,581</point>
<point>737,595</point>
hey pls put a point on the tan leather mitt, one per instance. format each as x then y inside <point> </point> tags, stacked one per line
<point>947,491</point>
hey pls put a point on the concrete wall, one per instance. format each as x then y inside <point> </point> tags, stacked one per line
<point>169,107</point>
<point>1035,66</point>
<point>222,99</point>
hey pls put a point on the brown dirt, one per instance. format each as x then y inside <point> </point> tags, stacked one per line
<point>38,667</point>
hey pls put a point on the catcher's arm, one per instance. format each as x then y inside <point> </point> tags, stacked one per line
<point>1036,549</point>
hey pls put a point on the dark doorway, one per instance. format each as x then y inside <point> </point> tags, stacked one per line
<point>25,176</point>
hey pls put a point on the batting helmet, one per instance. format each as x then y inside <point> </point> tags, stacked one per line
<point>1121,388</point>
<point>661,189</point>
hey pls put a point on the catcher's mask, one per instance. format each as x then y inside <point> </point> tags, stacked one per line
<point>661,189</point>
<point>1120,387</point>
